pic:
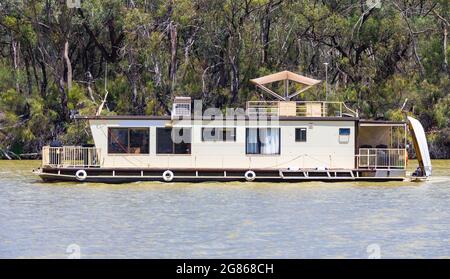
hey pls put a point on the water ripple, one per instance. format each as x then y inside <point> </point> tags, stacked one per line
<point>230,220</point>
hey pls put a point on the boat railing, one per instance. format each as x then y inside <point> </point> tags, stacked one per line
<point>266,108</point>
<point>299,108</point>
<point>77,156</point>
<point>382,158</point>
<point>70,156</point>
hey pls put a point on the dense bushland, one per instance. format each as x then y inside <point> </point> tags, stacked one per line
<point>53,59</point>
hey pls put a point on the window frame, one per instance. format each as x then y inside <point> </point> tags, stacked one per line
<point>260,143</point>
<point>306,134</point>
<point>344,138</point>
<point>223,139</point>
<point>128,141</point>
<point>173,144</point>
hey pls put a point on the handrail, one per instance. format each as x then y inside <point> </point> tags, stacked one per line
<point>268,108</point>
<point>367,158</point>
<point>70,156</point>
<point>302,108</point>
<point>355,113</point>
<point>381,158</point>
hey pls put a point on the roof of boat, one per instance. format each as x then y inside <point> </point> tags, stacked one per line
<point>155,117</point>
<point>285,75</point>
<point>281,118</point>
<point>373,121</point>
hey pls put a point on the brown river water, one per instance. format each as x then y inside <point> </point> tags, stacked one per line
<point>223,220</point>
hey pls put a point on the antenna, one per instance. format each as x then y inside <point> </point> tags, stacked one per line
<point>100,108</point>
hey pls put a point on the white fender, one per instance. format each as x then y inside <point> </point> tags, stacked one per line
<point>167,176</point>
<point>250,175</point>
<point>81,175</point>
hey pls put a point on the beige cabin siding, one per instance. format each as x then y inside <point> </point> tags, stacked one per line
<point>322,148</point>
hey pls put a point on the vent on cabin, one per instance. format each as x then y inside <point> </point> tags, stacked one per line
<point>181,107</point>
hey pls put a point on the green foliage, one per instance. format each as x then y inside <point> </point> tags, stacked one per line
<point>209,50</point>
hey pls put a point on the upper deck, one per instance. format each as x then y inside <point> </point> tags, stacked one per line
<point>299,109</point>
<point>283,106</point>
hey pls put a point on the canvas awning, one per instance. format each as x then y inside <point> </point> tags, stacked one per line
<point>285,76</point>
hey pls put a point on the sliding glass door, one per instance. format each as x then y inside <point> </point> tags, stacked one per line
<point>264,141</point>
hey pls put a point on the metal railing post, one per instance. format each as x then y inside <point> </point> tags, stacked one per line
<point>389,159</point>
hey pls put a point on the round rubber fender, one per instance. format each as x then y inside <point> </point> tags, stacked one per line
<point>250,175</point>
<point>81,175</point>
<point>167,175</point>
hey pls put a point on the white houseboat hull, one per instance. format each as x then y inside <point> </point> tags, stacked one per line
<point>187,175</point>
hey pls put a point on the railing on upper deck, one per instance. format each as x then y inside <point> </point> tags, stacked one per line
<point>382,158</point>
<point>299,108</point>
<point>267,108</point>
<point>70,156</point>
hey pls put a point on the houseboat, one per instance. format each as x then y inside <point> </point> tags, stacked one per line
<point>278,140</point>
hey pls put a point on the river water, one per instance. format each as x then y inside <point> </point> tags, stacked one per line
<point>227,220</point>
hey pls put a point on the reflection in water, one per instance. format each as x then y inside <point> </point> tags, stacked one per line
<point>231,220</point>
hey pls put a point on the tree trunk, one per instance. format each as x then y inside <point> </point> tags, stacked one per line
<point>234,79</point>
<point>135,96</point>
<point>265,29</point>
<point>44,81</point>
<point>173,55</point>
<point>445,46</point>
<point>446,23</point>
<point>233,49</point>
<point>68,65</point>
<point>29,78</point>
<point>64,108</point>
<point>89,87</point>
<point>15,46</point>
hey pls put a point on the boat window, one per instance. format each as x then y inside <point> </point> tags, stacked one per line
<point>128,140</point>
<point>300,134</point>
<point>164,140</point>
<point>265,141</point>
<point>165,143</point>
<point>344,135</point>
<point>139,141</point>
<point>118,140</point>
<point>218,134</point>
<point>344,131</point>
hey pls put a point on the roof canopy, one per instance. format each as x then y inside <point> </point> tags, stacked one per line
<point>285,76</point>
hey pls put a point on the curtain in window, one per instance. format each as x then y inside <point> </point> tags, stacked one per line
<point>252,141</point>
<point>270,141</point>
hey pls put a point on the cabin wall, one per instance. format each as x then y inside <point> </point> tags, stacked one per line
<point>324,147</point>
